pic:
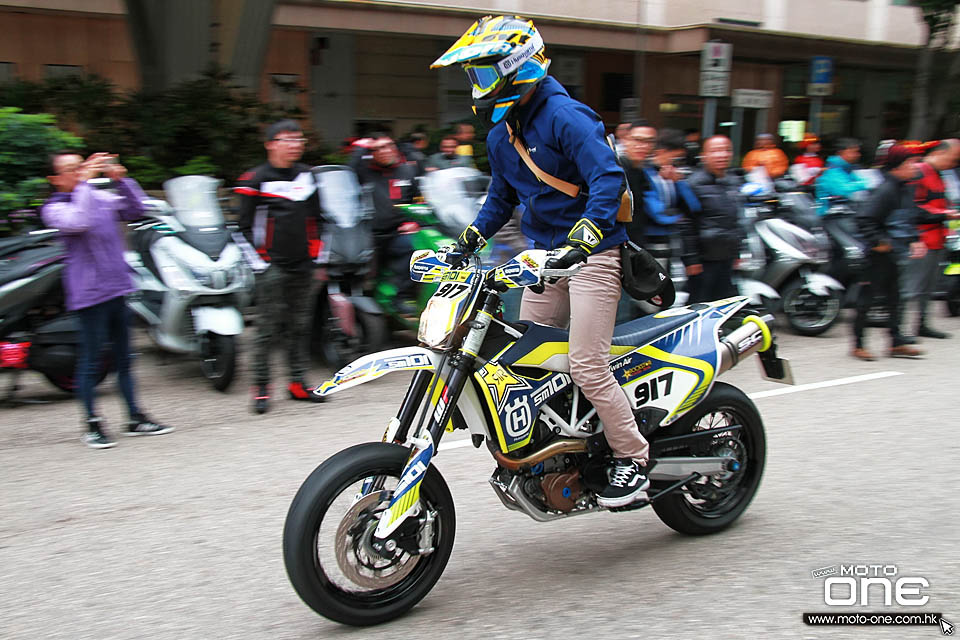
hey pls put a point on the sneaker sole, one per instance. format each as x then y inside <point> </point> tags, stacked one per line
<point>639,494</point>
<point>109,445</point>
<point>159,432</point>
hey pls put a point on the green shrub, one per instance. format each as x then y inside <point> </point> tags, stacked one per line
<point>26,142</point>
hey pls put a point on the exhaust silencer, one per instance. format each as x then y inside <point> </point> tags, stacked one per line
<point>752,337</point>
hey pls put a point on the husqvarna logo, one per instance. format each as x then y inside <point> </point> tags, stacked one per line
<point>519,418</point>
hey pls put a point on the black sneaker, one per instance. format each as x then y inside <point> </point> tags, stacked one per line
<point>261,398</point>
<point>928,332</point>
<point>96,437</point>
<point>627,484</point>
<point>141,425</point>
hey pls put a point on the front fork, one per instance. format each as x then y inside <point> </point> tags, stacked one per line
<point>435,415</point>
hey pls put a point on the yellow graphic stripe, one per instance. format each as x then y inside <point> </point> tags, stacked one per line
<point>405,503</point>
<point>547,350</point>
<point>693,363</point>
<point>437,392</point>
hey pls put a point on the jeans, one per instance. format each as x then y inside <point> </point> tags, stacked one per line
<point>588,304</point>
<point>884,274</point>
<point>715,283</point>
<point>108,320</point>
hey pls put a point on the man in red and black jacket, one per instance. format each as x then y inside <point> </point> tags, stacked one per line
<point>934,211</point>
<point>280,217</point>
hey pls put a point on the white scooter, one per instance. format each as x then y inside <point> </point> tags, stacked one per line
<point>191,278</point>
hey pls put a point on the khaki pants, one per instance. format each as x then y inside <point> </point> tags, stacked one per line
<point>587,303</point>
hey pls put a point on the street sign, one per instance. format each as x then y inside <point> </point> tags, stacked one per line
<point>752,98</point>
<point>821,76</point>
<point>714,84</point>
<point>716,56</point>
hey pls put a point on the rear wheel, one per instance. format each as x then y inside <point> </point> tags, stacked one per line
<point>328,544</point>
<point>710,504</point>
<point>810,314</point>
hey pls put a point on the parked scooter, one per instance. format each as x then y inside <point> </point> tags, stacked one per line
<point>951,271</point>
<point>795,256</point>
<point>347,323</point>
<point>36,331</point>
<point>191,278</point>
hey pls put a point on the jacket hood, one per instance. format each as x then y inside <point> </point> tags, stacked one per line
<point>547,88</point>
<point>837,162</point>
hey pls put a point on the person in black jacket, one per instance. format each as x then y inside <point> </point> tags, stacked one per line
<point>393,182</point>
<point>280,217</point>
<point>887,224</point>
<point>711,236</point>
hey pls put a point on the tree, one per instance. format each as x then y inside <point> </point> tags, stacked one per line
<point>928,109</point>
<point>26,142</point>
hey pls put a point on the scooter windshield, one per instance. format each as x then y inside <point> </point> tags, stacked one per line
<point>194,201</point>
<point>339,195</point>
<point>455,195</point>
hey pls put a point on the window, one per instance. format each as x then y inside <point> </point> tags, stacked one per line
<point>616,87</point>
<point>900,3</point>
<point>284,89</point>
<point>7,71</point>
<point>63,70</point>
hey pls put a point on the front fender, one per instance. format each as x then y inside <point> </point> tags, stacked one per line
<point>366,305</point>
<point>377,365</point>
<point>227,321</point>
<point>819,284</point>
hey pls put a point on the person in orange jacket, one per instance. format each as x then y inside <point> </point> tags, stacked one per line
<point>765,154</point>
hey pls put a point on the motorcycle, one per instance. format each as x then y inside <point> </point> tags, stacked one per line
<point>36,330</point>
<point>795,256</point>
<point>951,271</point>
<point>191,277</point>
<point>347,322</point>
<point>372,528</point>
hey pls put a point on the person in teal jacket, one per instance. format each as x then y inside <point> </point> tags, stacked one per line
<point>839,178</point>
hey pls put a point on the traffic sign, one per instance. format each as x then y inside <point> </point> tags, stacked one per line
<point>716,56</point>
<point>752,98</point>
<point>714,84</point>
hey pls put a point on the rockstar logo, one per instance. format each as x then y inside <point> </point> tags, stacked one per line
<point>500,381</point>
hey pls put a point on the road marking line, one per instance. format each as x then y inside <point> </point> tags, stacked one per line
<point>826,383</point>
<point>456,444</point>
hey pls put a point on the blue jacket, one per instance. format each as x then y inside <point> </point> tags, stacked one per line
<point>838,180</point>
<point>565,139</point>
<point>659,221</point>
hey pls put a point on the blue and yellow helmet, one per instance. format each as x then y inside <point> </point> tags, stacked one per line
<point>504,60</point>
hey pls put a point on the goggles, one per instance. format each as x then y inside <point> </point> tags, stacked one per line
<point>483,78</point>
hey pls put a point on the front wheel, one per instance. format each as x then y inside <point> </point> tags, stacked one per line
<point>340,349</point>
<point>328,537</point>
<point>219,360</point>
<point>808,313</point>
<point>710,504</point>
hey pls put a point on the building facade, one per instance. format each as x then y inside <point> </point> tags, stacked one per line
<point>365,64</point>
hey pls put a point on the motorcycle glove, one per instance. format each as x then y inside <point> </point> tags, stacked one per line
<point>470,241</point>
<point>564,258</point>
<point>585,235</point>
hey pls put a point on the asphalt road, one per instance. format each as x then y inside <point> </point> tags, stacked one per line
<point>179,536</point>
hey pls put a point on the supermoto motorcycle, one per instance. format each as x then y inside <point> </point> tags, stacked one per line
<point>36,331</point>
<point>371,529</point>
<point>191,277</point>
<point>347,323</point>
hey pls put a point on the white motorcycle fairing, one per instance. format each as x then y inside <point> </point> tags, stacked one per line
<point>819,284</point>
<point>377,365</point>
<point>225,321</point>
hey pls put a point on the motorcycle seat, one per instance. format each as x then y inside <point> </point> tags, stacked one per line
<point>548,347</point>
<point>27,262</point>
<point>17,243</point>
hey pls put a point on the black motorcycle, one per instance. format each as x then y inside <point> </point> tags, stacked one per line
<point>36,331</point>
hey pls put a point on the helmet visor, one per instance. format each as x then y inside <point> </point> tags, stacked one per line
<point>483,78</point>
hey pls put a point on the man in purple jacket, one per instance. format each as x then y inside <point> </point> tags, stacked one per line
<point>96,277</point>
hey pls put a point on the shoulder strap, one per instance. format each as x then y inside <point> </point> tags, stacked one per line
<point>568,188</point>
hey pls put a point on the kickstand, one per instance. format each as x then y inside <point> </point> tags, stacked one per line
<point>10,400</point>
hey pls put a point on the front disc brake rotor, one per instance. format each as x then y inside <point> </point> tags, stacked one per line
<point>357,560</point>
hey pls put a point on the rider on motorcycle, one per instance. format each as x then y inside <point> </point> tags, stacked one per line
<point>504,59</point>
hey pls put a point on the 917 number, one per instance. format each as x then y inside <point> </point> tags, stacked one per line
<point>644,392</point>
